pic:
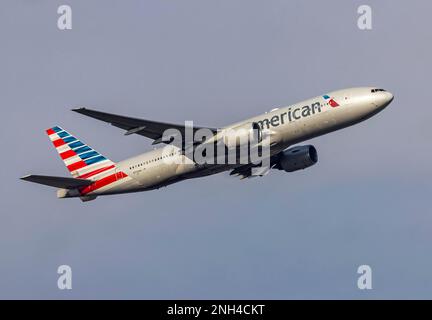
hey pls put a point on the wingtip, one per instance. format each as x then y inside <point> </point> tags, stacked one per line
<point>25,177</point>
<point>78,109</point>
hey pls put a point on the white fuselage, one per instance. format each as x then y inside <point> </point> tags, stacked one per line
<point>287,125</point>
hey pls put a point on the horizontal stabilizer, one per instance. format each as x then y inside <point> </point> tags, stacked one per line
<point>59,182</point>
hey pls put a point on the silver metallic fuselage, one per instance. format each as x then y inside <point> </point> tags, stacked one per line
<point>284,124</point>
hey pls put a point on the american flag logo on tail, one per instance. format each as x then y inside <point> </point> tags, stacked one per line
<point>84,162</point>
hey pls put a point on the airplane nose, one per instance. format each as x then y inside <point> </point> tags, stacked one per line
<point>389,97</point>
<point>383,99</point>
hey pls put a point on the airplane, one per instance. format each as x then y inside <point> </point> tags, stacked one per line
<point>95,175</point>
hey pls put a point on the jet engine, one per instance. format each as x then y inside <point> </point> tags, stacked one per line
<point>242,135</point>
<point>297,158</point>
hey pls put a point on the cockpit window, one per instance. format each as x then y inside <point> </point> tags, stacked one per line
<point>377,90</point>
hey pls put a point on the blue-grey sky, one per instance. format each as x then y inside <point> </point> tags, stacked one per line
<point>298,235</point>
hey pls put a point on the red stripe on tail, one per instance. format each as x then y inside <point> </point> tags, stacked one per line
<point>59,142</point>
<point>76,165</point>
<point>103,182</point>
<point>92,173</point>
<point>67,154</point>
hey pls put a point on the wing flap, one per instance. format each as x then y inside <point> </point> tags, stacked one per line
<point>245,171</point>
<point>58,182</point>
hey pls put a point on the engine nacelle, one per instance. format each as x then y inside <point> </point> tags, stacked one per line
<point>298,158</point>
<point>242,135</point>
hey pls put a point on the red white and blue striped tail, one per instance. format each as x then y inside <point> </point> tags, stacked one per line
<point>81,160</point>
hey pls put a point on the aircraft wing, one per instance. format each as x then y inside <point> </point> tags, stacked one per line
<point>147,128</point>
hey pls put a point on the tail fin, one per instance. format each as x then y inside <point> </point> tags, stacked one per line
<point>81,160</point>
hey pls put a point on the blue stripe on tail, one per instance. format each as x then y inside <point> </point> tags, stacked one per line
<point>95,160</point>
